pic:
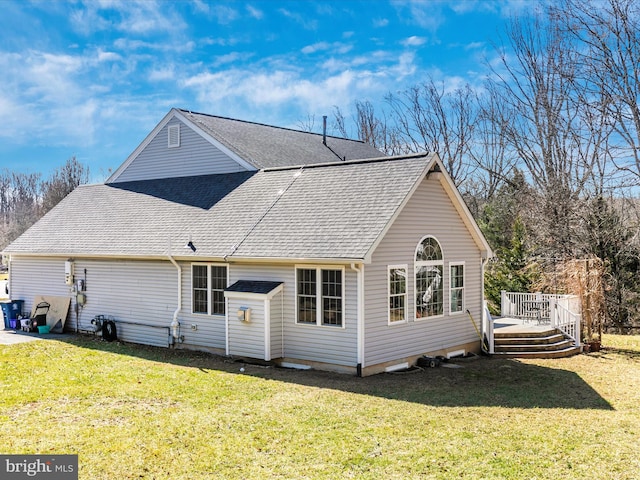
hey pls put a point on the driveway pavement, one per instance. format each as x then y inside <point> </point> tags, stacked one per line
<point>11,337</point>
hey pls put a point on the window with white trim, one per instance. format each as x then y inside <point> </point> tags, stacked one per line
<point>397,293</point>
<point>320,296</point>
<point>456,287</point>
<point>208,283</point>
<point>429,269</point>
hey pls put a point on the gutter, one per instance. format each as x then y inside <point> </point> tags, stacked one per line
<point>175,324</point>
<point>359,269</point>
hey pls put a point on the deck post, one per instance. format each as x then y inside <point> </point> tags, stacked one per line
<point>503,304</point>
<point>553,312</point>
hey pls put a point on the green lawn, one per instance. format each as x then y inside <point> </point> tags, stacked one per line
<point>137,412</point>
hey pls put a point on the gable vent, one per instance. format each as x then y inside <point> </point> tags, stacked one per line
<point>173,136</point>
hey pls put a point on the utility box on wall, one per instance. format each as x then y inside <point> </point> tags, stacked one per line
<point>68,272</point>
<point>244,314</point>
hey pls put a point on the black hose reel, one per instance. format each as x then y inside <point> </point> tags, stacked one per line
<point>106,325</point>
<point>109,331</point>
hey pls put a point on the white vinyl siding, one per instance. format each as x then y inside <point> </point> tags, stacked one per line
<point>146,292</point>
<point>247,339</point>
<point>384,342</point>
<point>140,295</point>
<point>196,156</point>
<point>298,341</point>
<point>277,318</point>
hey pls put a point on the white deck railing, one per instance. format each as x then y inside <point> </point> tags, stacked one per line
<point>564,319</point>
<point>558,311</point>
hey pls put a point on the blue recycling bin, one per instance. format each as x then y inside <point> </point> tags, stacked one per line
<point>10,311</point>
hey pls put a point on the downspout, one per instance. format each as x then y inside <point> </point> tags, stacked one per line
<point>360,316</point>
<point>175,325</point>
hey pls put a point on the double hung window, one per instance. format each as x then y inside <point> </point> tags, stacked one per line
<point>397,293</point>
<point>456,290</point>
<point>320,296</point>
<point>208,284</point>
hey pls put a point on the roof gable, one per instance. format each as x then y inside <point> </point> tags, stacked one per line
<point>194,153</point>
<point>224,145</point>
<point>436,169</point>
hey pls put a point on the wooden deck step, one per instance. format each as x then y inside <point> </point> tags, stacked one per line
<point>533,347</point>
<point>527,342</point>
<point>566,352</point>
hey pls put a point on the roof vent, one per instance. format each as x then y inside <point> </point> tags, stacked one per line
<point>324,129</point>
<point>173,137</point>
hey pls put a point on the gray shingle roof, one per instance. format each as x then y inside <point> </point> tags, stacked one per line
<point>333,211</point>
<point>253,286</point>
<point>266,146</point>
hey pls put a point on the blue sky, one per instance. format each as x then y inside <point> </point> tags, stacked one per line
<point>92,78</point>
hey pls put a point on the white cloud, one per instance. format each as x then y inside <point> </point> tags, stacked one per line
<point>162,74</point>
<point>224,14</point>
<point>108,56</point>
<point>254,12</point>
<point>260,90</point>
<point>413,41</point>
<point>273,89</point>
<point>474,45</point>
<point>335,47</point>
<point>131,16</point>
<point>44,101</point>
<point>130,45</point>
<point>380,22</point>
<point>200,6</point>
<point>299,19</point>
<point>231,58</point>
<point>424,13</point>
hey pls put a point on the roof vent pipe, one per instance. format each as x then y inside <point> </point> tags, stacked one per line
<point>324,129</point>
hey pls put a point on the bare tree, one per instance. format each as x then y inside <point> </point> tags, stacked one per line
<point>609,34</point>
<point>428,117</point>
<point>24,198</point>
<point>62,182</point>
<point>555,139</point>
<point>20,201</point>
<point>308,124</point>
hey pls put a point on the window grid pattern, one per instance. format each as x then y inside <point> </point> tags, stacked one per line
<point>429,269</point>
<point>320,296</point>
<point>307,306</point>
<point>457,288</point>
<point>200,281</point>
<point>397,294</point>
<point>218,284</point>
<point>332,297</point>
<point>208,284</point>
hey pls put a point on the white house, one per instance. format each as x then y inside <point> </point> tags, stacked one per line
<point>265,243</point>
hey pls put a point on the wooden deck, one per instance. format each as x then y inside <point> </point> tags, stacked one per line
<point>517,325</point>
<point>518,338</point>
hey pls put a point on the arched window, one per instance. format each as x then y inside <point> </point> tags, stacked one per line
<point>429,268</point>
